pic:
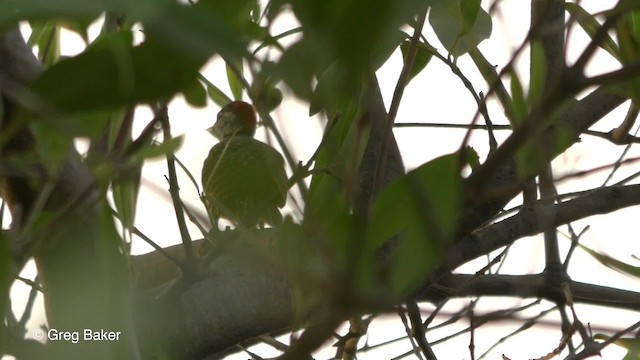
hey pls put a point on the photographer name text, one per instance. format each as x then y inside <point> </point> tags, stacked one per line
<point>77,336</point>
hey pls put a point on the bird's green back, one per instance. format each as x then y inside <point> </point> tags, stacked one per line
<point>245,181</point>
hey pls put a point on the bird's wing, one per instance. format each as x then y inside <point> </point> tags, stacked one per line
<point>277,174</point>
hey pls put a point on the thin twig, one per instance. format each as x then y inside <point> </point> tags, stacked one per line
<point>548,191</point>
<point>575,240</point>
<point>614,77</point>
<point>270,340</point>
<point>618,162</point>
<point>629,139</point>
<point>410,334</point>
<point>477,96</point>
<point>275,39</point>
<point>472,326</point>
<point>174,189</point>
<point>525,326</point>
<point>395,102</point>
<point>434,313</point>
<point>157,247</point>
<point>595,349</point>
<point>28,309</point>
<point>418,330</point>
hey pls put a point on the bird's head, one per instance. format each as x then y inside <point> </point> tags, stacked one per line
<point>236,118</point>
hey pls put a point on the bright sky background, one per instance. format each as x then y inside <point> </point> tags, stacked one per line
<point>436,95</point>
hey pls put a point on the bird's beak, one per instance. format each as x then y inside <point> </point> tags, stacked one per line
<point>215,130</point>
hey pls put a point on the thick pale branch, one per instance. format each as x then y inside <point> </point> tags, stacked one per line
<point>243,297</point>
<point>17,62</point>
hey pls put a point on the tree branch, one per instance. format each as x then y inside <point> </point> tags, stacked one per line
<point>527,222</point>
<point>572,122</point>
<point>243,297</point>
<point>529,286</point>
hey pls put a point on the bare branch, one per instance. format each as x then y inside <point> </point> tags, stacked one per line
<point>531,286</point>
<point>527,223</point>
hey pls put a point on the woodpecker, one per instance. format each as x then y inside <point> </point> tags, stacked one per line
<point>244,180</point>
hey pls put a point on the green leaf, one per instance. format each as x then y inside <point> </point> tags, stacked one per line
<point>235,84</point>
<point>353,31</point>
<point>157,150</point>
<point>113,41</point>
<point>423,56</point>
<point>306,268</point>
<point>38,32</point>
<point>256,12</point>
<point>232,11</point>
<point>125,197</point>
<point>529,156</point>
<point>195,31</point>
<point>518,101</point>
<point>328,206</point>
<point>333,91</point>
<point>271,98</point>
<point>538,74</point>
<point>112,273</point>
<point>298,67</point>
<point>627,269</point>
<point>80,26</point>
<point>469,10</point>
<point>471,157</point>
<point>130,169</point>
<point>79,95</point>
<point>55,133</point>
<point>265,93</point>
<point>631,344</point>
<point>294,248</point>
<point>13,11</point>
<point>115,74</point>
<point>634,20</point>
<point>334,232</point>
<point>421,208</point>
<point>338,142</point>
<point>195,94</point>
<point>490,75</point>
<point>46,36</point>
<point>437,183</point>
<point>591,26</point>
<point>450,26</point>
<point>383,51</point>
<point>238,15</point>
<point>629,50</point>
<point>215,94</point>
<point>191,30</point>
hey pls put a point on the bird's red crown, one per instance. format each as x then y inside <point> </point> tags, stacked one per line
<point>236,118</point>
